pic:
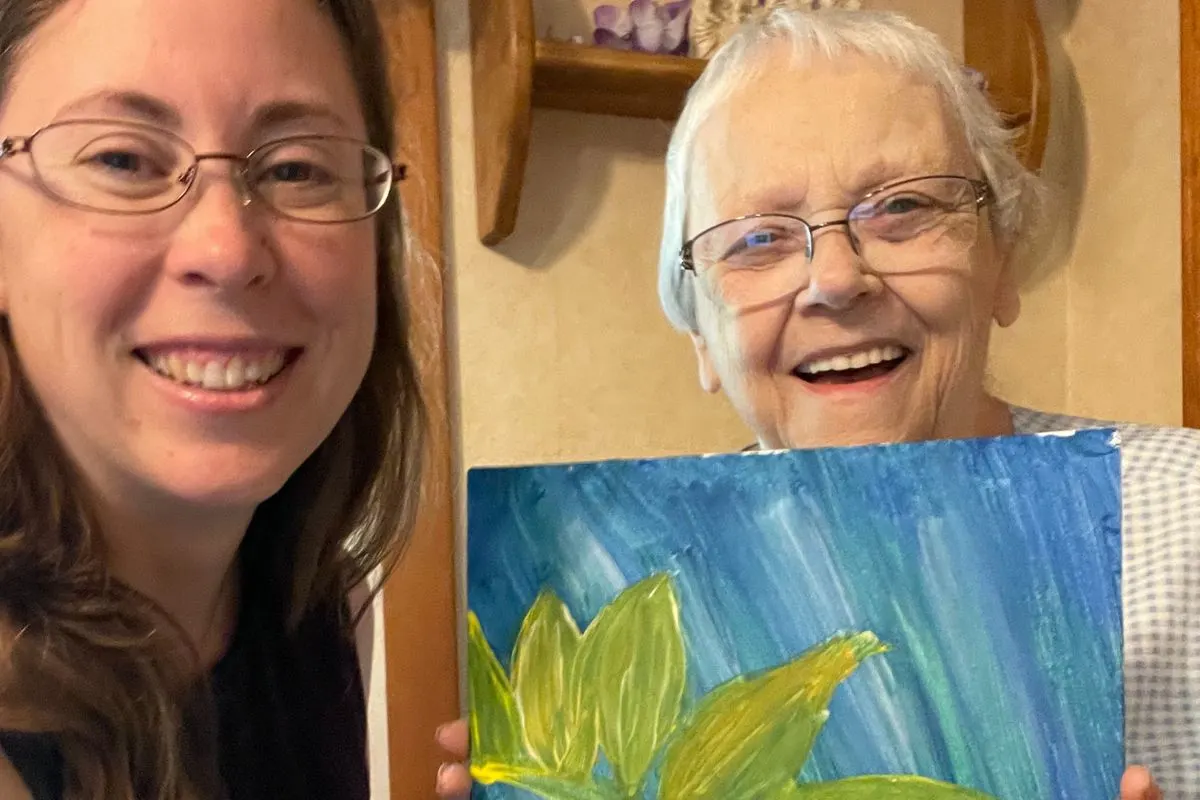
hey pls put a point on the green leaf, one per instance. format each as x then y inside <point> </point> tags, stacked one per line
<point>551,787</point>
<point>632,659</point>
<point>495,718</point>
<point>882,787</point>
<point>558,709</point>
<point>750,736</point>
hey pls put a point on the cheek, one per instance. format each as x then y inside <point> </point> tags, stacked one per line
<point>745,343</point>
<point>49,308</point>
<point>80,274</point>
<point>336,275</point>
<point>946,302</point>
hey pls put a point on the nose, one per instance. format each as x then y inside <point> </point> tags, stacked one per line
<point>221,241</point>
<point>837,275</point>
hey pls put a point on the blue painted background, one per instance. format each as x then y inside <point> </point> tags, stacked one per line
<point>991,567</point>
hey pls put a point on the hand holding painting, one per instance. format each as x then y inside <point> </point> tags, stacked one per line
<point>1137,784</point>
<point>454,779</point>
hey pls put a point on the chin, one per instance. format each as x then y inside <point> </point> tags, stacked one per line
<point>853,430</point>
<point>235,492</point>
<point>836,439</point>
<point>225,482</point>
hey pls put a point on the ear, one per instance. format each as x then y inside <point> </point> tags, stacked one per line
<point>1007,306</point>
<point>709,380</point>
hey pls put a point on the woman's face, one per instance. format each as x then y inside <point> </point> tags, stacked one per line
<point>811,142</point>
<point>263,326</point>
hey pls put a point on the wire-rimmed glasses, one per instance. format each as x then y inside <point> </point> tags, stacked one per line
<point>119,167</point>
<point>903,226</point>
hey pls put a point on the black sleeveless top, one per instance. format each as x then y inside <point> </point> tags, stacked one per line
<point>291,715</point>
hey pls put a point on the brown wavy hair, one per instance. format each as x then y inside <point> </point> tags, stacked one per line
<point>97,665</point>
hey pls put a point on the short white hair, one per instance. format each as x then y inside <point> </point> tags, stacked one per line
<point>883,36</point>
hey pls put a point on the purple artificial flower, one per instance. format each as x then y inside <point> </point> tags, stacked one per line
<point>646,26</point>
<point>614,28</point>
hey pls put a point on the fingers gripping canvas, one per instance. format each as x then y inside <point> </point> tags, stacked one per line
<point>936,620</point>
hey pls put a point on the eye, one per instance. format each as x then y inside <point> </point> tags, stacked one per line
<point>760,247</point>
<point>131,160</point>
<point>754,240</point>
<point>305,172</point>
<point>903,204</point>
<point>295,172</point>
<point>291,171</point>
<point>301,162</point>
<point>129,165</point>
<point>128,162</point>
<point>899,217</point>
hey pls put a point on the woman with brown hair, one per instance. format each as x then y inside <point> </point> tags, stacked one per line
<point>210,423</point>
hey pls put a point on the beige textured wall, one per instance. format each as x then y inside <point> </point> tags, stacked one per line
<point>1117,151</point>
<point>1100,331</point>
<point>562,353</point>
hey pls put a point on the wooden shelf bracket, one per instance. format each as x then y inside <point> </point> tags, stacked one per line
<point>502,53</point>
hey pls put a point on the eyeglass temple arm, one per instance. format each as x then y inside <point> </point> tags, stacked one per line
<point>397,173</point>
<point>686,262</point>
<point>983,193</point>
<point>12,145</point>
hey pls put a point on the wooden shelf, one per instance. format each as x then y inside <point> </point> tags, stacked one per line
<point>597,80</point>
<point>513,72</point>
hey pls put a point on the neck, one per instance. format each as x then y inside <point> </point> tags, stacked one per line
<point>994,418</point>
<point>186,565</point>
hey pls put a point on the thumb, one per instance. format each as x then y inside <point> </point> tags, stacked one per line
<point>1137,784</point>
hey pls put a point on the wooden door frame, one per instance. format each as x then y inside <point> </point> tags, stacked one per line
<point>1189,170</point>
<point>419,620</point>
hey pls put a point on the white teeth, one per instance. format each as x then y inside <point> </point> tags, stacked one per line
<point>239,372</point>
<point>235,372</point>
<point>214,375</point>
<point>864,358</point>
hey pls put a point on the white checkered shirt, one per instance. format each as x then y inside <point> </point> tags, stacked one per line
<point>1160,487</point>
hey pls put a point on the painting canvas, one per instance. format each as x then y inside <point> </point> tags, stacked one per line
<point>933,620</point>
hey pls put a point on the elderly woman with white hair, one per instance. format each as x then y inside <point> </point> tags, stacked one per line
<point>844,214</point>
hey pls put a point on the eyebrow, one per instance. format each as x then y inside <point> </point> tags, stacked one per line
<point>148,108</point>
<point>881,172</point>
<point>789,199</point>
<point>285,112</point>
<point>138,104</point>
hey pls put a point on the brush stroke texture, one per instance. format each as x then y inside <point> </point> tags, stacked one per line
<point>990,567</point>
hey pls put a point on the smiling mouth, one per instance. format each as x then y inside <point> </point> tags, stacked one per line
<point>853,367</point>
<point>230,372</point>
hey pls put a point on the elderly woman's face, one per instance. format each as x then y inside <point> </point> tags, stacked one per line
<point>799,369</point>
